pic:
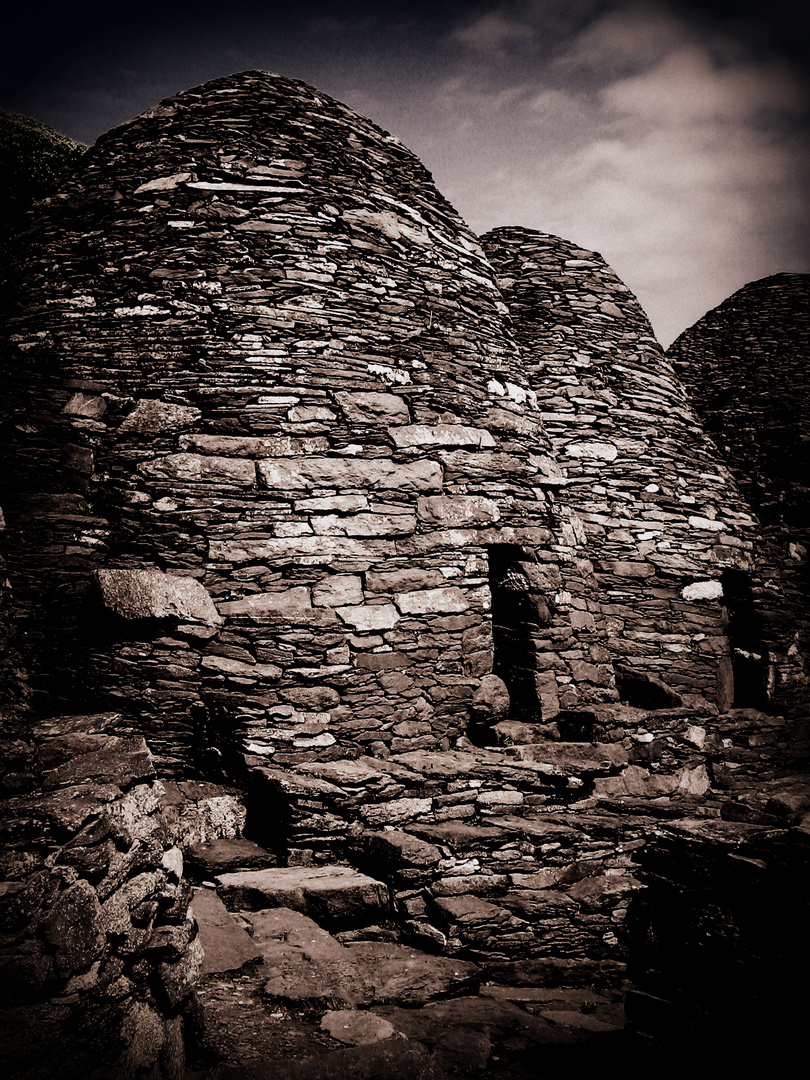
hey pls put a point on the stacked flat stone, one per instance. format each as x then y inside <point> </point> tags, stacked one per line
<point>746,366</point>
<point>258,354</point>
<point>663,517</point>
<point>99,952</point>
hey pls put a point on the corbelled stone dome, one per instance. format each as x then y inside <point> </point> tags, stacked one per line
<point>665,522</point>
<point>746,366</point>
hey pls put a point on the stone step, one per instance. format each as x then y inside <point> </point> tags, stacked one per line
<point>335,895</point>
<point>226,943</point>
<point>305,967</point>
<point>227,855</point>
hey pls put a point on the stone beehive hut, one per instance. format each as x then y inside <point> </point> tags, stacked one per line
<point>746,367</point>
<point>263,395</point>
<point>665,522</point>
<point>282,504</point>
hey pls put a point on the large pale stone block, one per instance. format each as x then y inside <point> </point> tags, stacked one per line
<point>364,524</point>
<point>152,417</point>
<point>151,594</point>
<point>403,580</point>
<point>440,435</point>
<point>373,407</point>
<point>702,590</point>
<point>426,601</point>
<point>307,473</point>
<point>330,893</point>
<point>289,603</point>
<point>337,591</point>
<point>601,451</point>
<point>200,468</point>
<point>370,616</point>
<point>453,510</point>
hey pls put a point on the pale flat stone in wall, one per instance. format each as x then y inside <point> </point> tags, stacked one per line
<point>702,590</point>
<point>152,416</point>
<point>321,472</point>
<point>201,468</point>
<point>441,435</point>
<point>424,601</point>
<point>370,616</point>
<point>373,407</point>
<point>450,511</point>
<point>340,590</point>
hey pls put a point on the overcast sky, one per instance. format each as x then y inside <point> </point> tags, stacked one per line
<point>671,136</point>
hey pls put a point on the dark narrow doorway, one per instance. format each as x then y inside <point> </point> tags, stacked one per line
<point>518,608</point>
<point>749,658</point>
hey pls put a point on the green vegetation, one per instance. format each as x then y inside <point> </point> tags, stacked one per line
<point>33,159</point>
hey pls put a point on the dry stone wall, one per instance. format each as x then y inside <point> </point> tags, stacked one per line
<point>663,518</point>
<point>261,371</point>
<point>745,366</point>
<point>98,947</point>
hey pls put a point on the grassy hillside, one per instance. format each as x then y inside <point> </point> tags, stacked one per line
<point>33,158</point>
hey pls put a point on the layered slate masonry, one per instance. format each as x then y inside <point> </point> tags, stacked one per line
<point>664,519</point>
<point>745,366</point>
<point>259,359</point>
<point>360,572</point>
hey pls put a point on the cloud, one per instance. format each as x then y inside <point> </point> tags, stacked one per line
<point>687,87</point>
<point>665,142</point>
<point>492,32</point>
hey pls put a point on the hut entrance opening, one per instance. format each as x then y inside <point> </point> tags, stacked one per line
<point>518,609</point>
<point>749,657</point>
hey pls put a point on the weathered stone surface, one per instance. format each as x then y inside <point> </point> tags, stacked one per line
<point>308,473</point>
<point>286,603</point>
<point>201,468</point>
<point>334,894</point>
<point>441,435</point>
<point>152,416</point>
<point>342,590</point>
<point>370,616</point>
<point>226,945</point>
<point>490,702</point>
<point>150,594</point>
<point>423,601</point>
<point>371,407</point>
<point>225,855</point>
<point>451,511</point>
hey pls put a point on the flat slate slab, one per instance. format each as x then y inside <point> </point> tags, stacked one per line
<point>332,895</point>
<point>305,966</point>
<point>226,856</point>
<point>227,945</point>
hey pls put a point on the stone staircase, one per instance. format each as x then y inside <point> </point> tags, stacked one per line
<point>477,892</point>
<point>282,996</point>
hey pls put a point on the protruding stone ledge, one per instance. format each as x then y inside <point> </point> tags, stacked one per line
<point>151,594</point>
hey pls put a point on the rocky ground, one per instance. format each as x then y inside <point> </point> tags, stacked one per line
<point>282,997</point>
